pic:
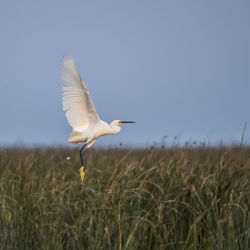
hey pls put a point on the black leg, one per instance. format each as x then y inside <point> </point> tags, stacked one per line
<point>81,153</point>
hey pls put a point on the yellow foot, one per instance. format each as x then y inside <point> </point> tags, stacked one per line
<point>82,173</point>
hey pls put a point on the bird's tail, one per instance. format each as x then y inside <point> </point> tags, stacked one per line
<point>76,137</point>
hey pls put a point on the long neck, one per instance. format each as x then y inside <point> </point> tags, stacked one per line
<point>113,129</point>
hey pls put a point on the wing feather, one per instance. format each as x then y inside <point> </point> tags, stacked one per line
<point>80,111</point>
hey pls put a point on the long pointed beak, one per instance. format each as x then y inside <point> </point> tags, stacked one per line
<point>126,122</point>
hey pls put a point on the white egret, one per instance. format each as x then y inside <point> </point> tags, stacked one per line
<point>80,111</point>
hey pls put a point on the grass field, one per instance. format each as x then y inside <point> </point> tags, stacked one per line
<point>131,199</point>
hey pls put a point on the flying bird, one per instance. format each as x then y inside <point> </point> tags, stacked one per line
<point>81,113</point>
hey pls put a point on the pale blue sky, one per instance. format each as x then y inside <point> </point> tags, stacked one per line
<point>175,67</point>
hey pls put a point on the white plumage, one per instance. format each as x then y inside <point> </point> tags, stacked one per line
<point>76,100</point>
<point>80,111</point>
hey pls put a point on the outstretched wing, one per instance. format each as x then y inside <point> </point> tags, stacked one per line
<point>80,111</point>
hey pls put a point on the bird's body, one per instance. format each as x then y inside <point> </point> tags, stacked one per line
<point>80,111</point>
<point>93,131</point>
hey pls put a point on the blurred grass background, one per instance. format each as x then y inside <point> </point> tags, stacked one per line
<point>175,198</point>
